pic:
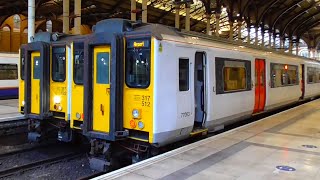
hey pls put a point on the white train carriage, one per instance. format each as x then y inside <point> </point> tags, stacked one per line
<point>200,84</point>
<point>9,64</point>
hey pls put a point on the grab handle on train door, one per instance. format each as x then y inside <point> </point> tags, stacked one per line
<point>202,98</point>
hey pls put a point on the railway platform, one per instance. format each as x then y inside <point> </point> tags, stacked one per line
<point>9,110</point>
<point>283,146</point>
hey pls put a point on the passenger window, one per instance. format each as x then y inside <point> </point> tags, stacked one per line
<point>313,75</point>
<point>59,64</point>
<point>183,74</point>
<point>234,78</point>
<point>36,67</point>
<point>283,75</point>
<point>103,60</point>
<point>232,75</point>
<point>8,71</point>
<point>78,59</point>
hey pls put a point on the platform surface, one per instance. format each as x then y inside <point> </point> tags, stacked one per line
<point>260,150</point>
<point>9,110</point>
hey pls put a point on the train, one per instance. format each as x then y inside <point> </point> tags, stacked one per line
<point>9,76</point>
<point>131,88</point>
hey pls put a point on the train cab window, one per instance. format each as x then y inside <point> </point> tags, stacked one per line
<point>36,67</point>
<point>183,74</point>
<point>8,71</point>
<point>283,75</point>
<point>232,75</point>
<point>138,63</point>
<point>103,60</point>
<point>78,59</point>
<point>59,64</point>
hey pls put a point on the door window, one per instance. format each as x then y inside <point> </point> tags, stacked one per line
<point>183,74</point>
<point>36,67</point>
<point>103,68</point>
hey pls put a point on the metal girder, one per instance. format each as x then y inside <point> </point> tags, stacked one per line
<point>114,7</point>
<point>308,27</point>
<point>164,14</point>
<point>267,9</point>
<point>286,10</point>
<point>295,17</point>
<point>305,21</point>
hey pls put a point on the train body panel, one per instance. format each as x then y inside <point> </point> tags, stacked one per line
<point>312,87</point>
<point>138,94</point>
<point>9,65</point>
<point>58,81</point>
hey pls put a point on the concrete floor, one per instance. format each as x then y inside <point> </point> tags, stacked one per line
<point>9,109</point>
<point>260,150</point>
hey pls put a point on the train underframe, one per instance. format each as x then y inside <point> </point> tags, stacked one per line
<point>40,130</point>
<point>103,155</point>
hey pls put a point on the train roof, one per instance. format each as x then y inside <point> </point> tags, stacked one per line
<point>163,32</point>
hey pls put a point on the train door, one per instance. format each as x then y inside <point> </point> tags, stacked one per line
<point>77,85</point>
<point>35,82</point>
<point>302,77</point>
<point>101,89</point>
<point>199,89</point>
<point>260,85</point>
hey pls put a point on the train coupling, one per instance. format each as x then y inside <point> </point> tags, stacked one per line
<point>65,135</point>
<point>34,136</point>
<point>99,164</point>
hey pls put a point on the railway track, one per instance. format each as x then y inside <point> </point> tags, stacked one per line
<point>19,161</point>
<point>37,164</point>
<point>13,127</point>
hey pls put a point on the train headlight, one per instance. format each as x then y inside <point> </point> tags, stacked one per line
<point>135,113</point>
<point>78,115</point>
<point>57,99</point>
<point>140,125</point>
<point>23,103</point>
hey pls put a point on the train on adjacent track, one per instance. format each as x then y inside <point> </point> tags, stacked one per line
<point>132,88</point>
<point>9,76</point>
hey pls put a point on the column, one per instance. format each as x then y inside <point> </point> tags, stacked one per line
<point>309,53</point>
<point>133,10</point>
<point>187,17</point>
<point>274,41</point>
<point>262,37</point>
<point>231,30</point>
<point>217,24</point>
<point>177,17</point>
<point>290,45</point>
<point>270,45</point>
<point>31,19</point>
<point>208,23</point>
<point>256,38</point>
<point>281,44</point>
<point>239,30</point>
<point>297,47</point>
<point>77,13</point>
<point>65,16</point>
<point>144,11</point>
<point>249,34</point>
